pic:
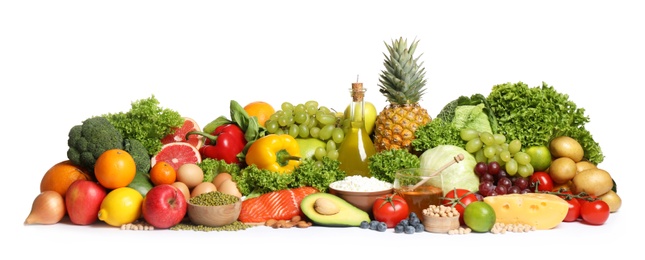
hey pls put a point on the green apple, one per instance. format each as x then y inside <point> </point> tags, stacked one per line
<point>540,157</point>
<point>370,115</point>
<point>308,146</point>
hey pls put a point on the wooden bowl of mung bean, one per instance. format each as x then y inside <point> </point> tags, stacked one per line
<point>214,209</point>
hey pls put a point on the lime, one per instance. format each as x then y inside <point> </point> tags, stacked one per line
<point>121,206</point>
<point>479,216</point>
<point>540,157</point>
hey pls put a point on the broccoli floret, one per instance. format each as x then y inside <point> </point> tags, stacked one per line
<point>139,153</point>
<point>90,139</point>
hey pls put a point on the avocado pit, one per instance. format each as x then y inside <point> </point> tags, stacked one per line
<point>326,207</point>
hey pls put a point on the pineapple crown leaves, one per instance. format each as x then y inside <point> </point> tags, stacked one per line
<point>403,80</point>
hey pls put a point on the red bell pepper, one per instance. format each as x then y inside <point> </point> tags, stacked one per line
<point>224,143</point>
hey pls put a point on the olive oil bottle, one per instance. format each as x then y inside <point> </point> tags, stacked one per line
<point>357,146</point>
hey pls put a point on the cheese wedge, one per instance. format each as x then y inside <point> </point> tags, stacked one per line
<point>540,210</point>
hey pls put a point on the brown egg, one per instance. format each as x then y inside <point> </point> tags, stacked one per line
<point>203,187</point>
<point>230,187</point>
<point>190,174</point>
<point>221,177</point>
<point>183,188</point>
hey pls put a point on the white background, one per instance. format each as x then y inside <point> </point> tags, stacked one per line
<point>64,61</point>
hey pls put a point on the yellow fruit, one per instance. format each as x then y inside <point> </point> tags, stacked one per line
<point>121,206</point>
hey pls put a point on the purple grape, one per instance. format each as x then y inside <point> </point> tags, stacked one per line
<point>513,190</point>
<point>486,177</point>
<point>504,181</point>
<point>494,168</point>
<point>486,187</point>
<point>521,183</point>
<point>481,168</point>
<point>524,191</point>
<point>502,173</point>
<point>501,190</point>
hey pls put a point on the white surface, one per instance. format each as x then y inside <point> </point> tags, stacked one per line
<point>64,61</point>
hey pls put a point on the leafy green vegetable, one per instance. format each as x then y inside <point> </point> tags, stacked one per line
<point>211,167</point>
<point>536,115</point>
<point>383,165</point>
<point>319,176</point>
<point>253,181</point>
<point>147,122</point>
<point>464,112</point>
<point>90,139</point>
<point>435,133</point>
<point>470,112</point>
<point>139,154</point>
<point>456,176</point>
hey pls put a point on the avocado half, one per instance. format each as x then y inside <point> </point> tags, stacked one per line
<point>348,215</point>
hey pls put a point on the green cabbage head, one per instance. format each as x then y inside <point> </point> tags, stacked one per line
<point>460,175</point>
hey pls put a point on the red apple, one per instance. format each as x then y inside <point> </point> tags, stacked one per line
<point>164,206</point>
<point>83,201</point>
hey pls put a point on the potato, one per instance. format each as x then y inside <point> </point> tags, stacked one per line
<point>562,170</point>
<point>583,165</point>
<point>564,146</point>
<point>613,200</point>
<point>593,181</point>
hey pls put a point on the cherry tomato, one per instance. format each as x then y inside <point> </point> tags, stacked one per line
<point>542,180</point>
<point>459,199</point>
<point>390,209</point>
<point>594,212</point>
<point>574,211</point>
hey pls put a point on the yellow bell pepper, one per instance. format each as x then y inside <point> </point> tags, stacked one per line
<point>276,153</point>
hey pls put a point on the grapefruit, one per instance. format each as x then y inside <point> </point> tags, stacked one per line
<point>180,134</point>
<point>177,154</point>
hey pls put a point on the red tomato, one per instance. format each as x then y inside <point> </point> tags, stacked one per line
<point>459,199</point>
<point>390,209</point>
<point>574,211</point>
<point>542,180</point>
<point>595,212</point>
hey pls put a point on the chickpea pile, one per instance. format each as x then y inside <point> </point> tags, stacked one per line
<point>501,228</point>
<point>440,211</point>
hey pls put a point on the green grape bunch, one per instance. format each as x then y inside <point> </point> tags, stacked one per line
<point>488,147</point>
<point>309,120</point>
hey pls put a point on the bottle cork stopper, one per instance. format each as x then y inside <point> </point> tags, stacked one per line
<point>358,93</point>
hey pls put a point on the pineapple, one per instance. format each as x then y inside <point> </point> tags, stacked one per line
<point>402,83</point>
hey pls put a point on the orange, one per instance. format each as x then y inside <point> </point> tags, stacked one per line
<point>61,175</point>
<point>162,173</point>
<point>260,109</point>
<point>115,168</point>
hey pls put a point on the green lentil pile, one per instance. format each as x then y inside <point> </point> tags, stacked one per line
<point>235,226</point>
<point>214,198</point>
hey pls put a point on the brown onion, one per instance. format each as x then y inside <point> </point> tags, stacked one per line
<point>48,208</point>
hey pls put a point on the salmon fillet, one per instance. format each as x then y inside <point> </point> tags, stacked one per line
<point>279,205</point>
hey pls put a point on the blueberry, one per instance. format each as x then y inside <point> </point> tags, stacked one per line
<point>420,228</point>
<point>404,222</point>
<point>364,224</point>
<point>373,224</point>
<point>381,227</point>
<point>413,215</point>
<point>414,222</point>
<point>399,228</point>
<point>409,230</point>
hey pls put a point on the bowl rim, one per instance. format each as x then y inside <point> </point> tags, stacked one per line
<point>207,206</point>
<point>361,193</point>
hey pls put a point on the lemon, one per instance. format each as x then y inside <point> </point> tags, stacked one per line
<point>121,206</point>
